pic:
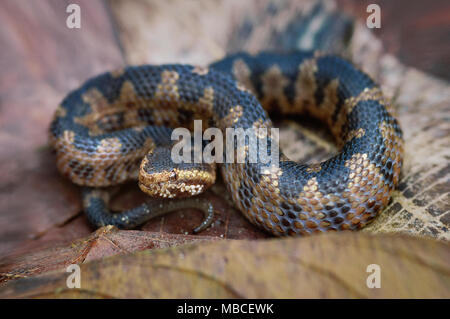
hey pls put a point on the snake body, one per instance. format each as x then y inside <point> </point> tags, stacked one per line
<point>103,130</point>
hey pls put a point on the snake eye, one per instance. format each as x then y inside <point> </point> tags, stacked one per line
<point>173,176</point>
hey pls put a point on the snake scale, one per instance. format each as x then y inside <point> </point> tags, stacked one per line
<point>117,126</point>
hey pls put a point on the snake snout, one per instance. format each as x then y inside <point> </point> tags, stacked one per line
<point>160,177</point>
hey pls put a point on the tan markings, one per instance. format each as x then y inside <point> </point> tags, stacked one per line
<point>99,103</point>
<point>365,95</point>
<point>102,110</point>
<point>242,73</point>
<point>109,145</point>
<point>169,77</point>
<point>273,85</point>
<point>60,112</point>
<point>206,102</point>
<point>305,86</point>
<point>242,87</point>
<point>132,118</point>
<point>365,182</point>
<point>105,167</point>
<point>314,168</point>
<point>355,133</point>
<point>266,195</point>
<point>167,103</point>
<point>68,137</point>
<point>364,194</point>
<point>208,177</point>
<point>117,73</point>
<point>326,110</point>
<point>374,94</point>
<point>389,106</point>
<point>234,114</point>
<point>233,173</point>
<point>339,127</point>
<point>331,97</point>
<point>273,171</point>
<point>310,199</point>
<point>305,99</point>
<point>200,70</point>
<point>264,125</point>
<point>201,110</point>
<point>186,182</point>
<point>95,99</point>
<point>167,89</point>
<point>328,106</point>
<point>394,149</point>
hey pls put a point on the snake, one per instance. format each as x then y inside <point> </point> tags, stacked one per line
<point>118,126</point>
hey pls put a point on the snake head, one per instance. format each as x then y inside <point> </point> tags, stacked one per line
<point>160,177</point>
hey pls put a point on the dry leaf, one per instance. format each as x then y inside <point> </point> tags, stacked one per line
<point>322,266</point>
<point>106,241</point>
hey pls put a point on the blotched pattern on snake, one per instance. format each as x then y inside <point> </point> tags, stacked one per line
<point>117,127</point>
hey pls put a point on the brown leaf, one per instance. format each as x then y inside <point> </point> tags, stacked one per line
<point>106,241</point>
<point>322,266</point>
<point>42,61</point>
<point>40,211</point>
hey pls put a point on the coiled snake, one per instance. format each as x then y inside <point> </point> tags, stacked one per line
<point>119,124</point>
